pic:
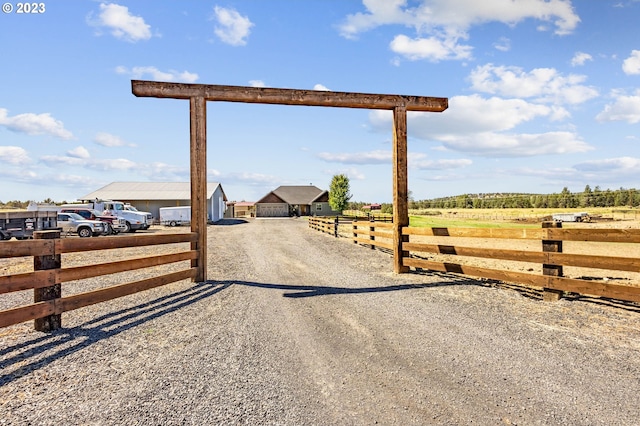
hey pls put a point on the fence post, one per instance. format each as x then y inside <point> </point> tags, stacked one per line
<point>335,227</point>
<point>48,261</point>
<point>355,231</point>
<point>372,228</point>
<point>551,246</point>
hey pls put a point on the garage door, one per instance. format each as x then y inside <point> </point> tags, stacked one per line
<point>273,210</point>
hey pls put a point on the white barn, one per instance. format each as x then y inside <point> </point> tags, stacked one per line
<point>150,196</point>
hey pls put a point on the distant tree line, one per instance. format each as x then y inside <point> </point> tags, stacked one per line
<point>16,204</point>
<point>565,199</point>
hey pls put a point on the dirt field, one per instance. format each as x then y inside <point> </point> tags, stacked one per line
<point>296,327</point>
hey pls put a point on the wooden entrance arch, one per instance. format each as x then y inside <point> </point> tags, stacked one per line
<point>199,94</point>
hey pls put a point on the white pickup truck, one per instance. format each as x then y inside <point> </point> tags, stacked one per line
<point>74,223</point>
<point>133,219</point>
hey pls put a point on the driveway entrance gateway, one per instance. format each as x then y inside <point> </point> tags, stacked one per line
<point>199,94</point>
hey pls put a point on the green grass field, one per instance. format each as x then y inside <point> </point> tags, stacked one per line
<point>442,222</point>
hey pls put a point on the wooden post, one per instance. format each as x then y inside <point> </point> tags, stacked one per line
<point>50,261</point>
<point>400,187</point>
<point>553,246</point>
<point>372,228</point>
<point>198,118</point>
<point>335,227</point>
<point>355,230</point>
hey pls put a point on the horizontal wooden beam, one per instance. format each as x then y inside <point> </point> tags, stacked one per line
<point>268,95</point>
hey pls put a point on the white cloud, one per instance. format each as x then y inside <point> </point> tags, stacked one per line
<point>109,140</point>
<point>159,171</point>
<point>370,157</point>
<point>631,65</point>
<point>156,75</point>
<point>518,145</point>
<point>79,152</point>
<point>624,108</point>
<point>439,25</point>
<point>14,155</point>
<point>480,126</point>
<point>250,178</point>
<point>113,164</point>
<point>432,48</point>
<point>580,58</point>
<point>444,164</point>
<point>54,160</point>
<point>416,160</point>
<point>257,83</point>
<point>503,45</point>
<point>89,163</point>
<point>122,24</point>
<point>321,88</point>
<point>352,173</point>
<point>618,165</point>
<point>232,27</point>
<point>541,84</point>
<point>34,124</point>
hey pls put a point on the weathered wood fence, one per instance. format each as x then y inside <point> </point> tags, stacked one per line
<point>331,224</point>
<point>373,234</point>
<point>48,276</point>
<point>328,225</point>
<point>423,243</point>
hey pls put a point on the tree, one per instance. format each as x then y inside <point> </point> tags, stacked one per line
<point>339,195</point>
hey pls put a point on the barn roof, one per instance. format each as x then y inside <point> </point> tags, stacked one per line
<point>149,191</point>
<point>297,194</point>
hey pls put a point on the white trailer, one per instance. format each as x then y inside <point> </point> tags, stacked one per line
<point>572,217</point>
<point>175,216</point>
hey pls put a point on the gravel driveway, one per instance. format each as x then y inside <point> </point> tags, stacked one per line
<point>298,328</point>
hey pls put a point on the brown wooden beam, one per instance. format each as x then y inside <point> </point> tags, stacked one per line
<point>198,114</point>
<point>267,95</point>
<point>400,188</point>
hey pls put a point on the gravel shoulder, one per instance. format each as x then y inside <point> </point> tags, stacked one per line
<point>296,327</point>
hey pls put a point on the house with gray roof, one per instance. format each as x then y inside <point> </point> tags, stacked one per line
<point>150,196</point>
<point>295,200</point>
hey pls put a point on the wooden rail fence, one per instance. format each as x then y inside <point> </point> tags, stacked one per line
<point>328,225</point>
<point>48,276</point>
<point>373,234</point>
<point>551,256</point>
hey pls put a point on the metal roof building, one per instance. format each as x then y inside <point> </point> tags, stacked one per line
<point>150,196</point>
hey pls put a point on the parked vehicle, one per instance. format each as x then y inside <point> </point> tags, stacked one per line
<point>175,216</point>
<point>73,222</point>
<point>571,217</point>
<point>134,220</point>
<point>21,224</point>
<point>113,224</point>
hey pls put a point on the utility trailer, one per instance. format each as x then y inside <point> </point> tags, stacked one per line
<point>572,217</point>
<point>175,216</point>
<point>21,224</point>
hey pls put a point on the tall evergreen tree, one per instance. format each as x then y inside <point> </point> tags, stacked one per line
<point>339,194</point>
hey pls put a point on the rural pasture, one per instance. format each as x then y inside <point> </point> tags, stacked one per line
<point>296,327</point>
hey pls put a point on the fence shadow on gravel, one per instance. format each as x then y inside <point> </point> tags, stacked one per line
<point>298,291</point>
<point>22,358</point>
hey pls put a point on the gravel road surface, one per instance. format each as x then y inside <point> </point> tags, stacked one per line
<point>298,328</point>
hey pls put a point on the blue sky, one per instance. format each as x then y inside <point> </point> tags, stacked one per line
<point>542,94</point>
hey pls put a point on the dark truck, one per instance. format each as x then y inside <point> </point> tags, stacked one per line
<point>20,224</point>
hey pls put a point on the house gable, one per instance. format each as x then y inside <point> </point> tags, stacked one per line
<point>270,198</point>
<point>322,198</point>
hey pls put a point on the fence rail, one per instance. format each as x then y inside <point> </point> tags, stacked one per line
<point>376,234</point>
<point>49,275</point>
<point>550,256</point>
<point>328,225</point>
